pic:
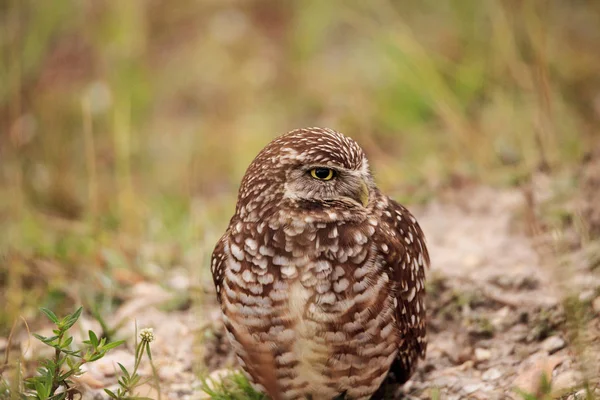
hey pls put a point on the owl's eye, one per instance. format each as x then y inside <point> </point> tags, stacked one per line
<point>323,174</point>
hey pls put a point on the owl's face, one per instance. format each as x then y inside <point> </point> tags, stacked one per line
<point>306,168</point>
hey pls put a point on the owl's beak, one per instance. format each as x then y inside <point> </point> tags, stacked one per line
<point>364,193</point>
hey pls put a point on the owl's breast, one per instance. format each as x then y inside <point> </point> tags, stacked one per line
<point>344,327</point>
<point>324,315</point>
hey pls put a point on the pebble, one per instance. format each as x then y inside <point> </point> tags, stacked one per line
<point>107,366</point>
<point>472,260</point>
<point>181,389</point>
<point>502,318</point>
<point>180,281</point>
<point>451,349</point>
<point>171,373</point>
<point>583,394</point>
<point>565,381</point>
<point>146,390</point>
<point>553,344</point>
<point>491,374</point>
<point>532,370</point>
<point>471,388</point>
<point>587,295</point>
<point>482,354</point>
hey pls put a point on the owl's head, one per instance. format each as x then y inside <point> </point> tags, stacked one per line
<point>311,167</point>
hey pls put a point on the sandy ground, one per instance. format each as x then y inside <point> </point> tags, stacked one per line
<point>497,312</point>
<point>496,303</point>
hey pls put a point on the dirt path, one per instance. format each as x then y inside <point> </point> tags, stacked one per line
<point>496,316</point>
<point>496,313</point>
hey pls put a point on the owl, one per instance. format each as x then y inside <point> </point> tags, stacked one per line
<point>320,276</point>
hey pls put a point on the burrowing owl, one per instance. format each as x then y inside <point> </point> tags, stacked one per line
<point>320,276</point>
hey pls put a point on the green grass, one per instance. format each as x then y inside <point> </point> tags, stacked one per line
<point>232,387</point>
<point>125,127</point>
<point>55,375</point>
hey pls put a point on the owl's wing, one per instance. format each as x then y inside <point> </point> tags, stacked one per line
<point>408,258</point>
<point>217,265</point>
<point>258,356</point>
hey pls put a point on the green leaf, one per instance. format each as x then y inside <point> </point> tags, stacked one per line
<point>45,339</point>
<point>148,351</point>
<point>67,374</point>
<point>525,395</point>
<point>110,393</point>
<point>134,380</point>
<point>42,390</point>
<point>74,353</point>
<point>67,342</point>
<point>50,314</point>
<point>93,338</point>
<point>112,345</point>
<point>50,366</point>
<point>71,319</point>
<point>125,372</point>
<point>40,337</point>
<point>96,356</point>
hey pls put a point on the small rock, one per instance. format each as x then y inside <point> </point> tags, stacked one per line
<point>532,371</point>
<point>583,394</point>
<point>482,354</point>
<point>142,296</point>
<point>472,260</point>
<point>451,349</point>
<point>147,390</point>
<point>502,319</point>
<point>491,374</point>
<point>566,381</point>
<point>471,388</point>
<point>553,344</point>
<point>466,366</point>
<point>179,282</point>
<point>181,389</point>
<point>586,295</point>
<point>170,372</point>
<point>519,333</point>
<point>108,366</point>
<point>89,381</point>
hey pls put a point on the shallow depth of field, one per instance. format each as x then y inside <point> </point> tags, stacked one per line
<point>126,126</point>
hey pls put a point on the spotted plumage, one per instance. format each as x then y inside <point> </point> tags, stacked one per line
<point>320,276</point>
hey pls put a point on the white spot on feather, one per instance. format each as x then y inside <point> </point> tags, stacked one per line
<point>237,251</point>
<point>251,243</point>
<point>341,285</point>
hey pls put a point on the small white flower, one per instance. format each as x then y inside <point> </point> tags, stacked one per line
<point>147,335</point>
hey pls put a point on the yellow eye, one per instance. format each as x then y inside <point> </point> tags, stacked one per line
<point>322,174</point>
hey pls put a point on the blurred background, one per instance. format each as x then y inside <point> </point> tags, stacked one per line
<point>125,126</point>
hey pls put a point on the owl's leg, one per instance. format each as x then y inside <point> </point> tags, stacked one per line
<point>341,396</point>
<point>385,391</point>
<point>398,375</point>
